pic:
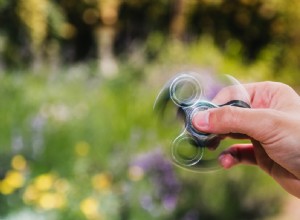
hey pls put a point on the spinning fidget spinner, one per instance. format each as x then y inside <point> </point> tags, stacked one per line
<point>187,94</point>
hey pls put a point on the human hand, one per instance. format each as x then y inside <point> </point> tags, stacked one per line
<point>272,125</point>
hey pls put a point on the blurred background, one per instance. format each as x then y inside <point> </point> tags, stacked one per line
<point>78,79</point>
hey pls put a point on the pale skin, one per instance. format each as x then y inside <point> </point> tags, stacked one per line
<point>273,126</point>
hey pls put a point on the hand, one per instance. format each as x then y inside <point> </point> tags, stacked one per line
<point>273,126</point>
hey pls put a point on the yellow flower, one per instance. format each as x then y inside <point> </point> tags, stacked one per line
<point>47,192</point>
<point>5,188</point>
<point>89,208</point>
<point>51,200</point>
<point>12,181</point>
<point>44,182</point>
<point>15,179</point>
<point>31,194</point>
<point>82,148</point>
<point>18,163</point>
<point>61,185</point>
<point>101,181</point>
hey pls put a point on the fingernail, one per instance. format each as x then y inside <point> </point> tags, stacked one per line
<point>225,161</point>
<point>201,120</point>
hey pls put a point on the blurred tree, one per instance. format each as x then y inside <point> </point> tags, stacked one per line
<point>34,14</point>
<point>95,22</point>
<point>105,35</point>
<point>82,18</point>
<point>13,40</point>
<point>178,22</point>
<point>249,22</point>
<point>138,21</point>
<point>85,29</point>
<point>286,32</point>
<point>43,24</point>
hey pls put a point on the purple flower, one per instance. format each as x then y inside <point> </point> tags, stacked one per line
<point>165,183</point>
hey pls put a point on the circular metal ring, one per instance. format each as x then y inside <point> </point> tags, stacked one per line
<point>185,90</point>
<point>185,151</point>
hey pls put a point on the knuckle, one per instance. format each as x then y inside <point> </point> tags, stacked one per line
<point>277,86</point>
<point>224,119</point>
<point>233,118</point>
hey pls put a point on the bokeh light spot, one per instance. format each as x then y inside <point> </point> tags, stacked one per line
<point>90,16</point>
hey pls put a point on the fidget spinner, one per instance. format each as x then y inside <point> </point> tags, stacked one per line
<point>187,94</point>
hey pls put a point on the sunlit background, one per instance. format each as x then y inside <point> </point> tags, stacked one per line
<point>78,79</point>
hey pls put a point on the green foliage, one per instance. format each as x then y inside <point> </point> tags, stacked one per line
<point>3,3</point>
<point>56,18</point>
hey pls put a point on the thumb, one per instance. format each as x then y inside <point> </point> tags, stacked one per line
<point>256,123</point>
